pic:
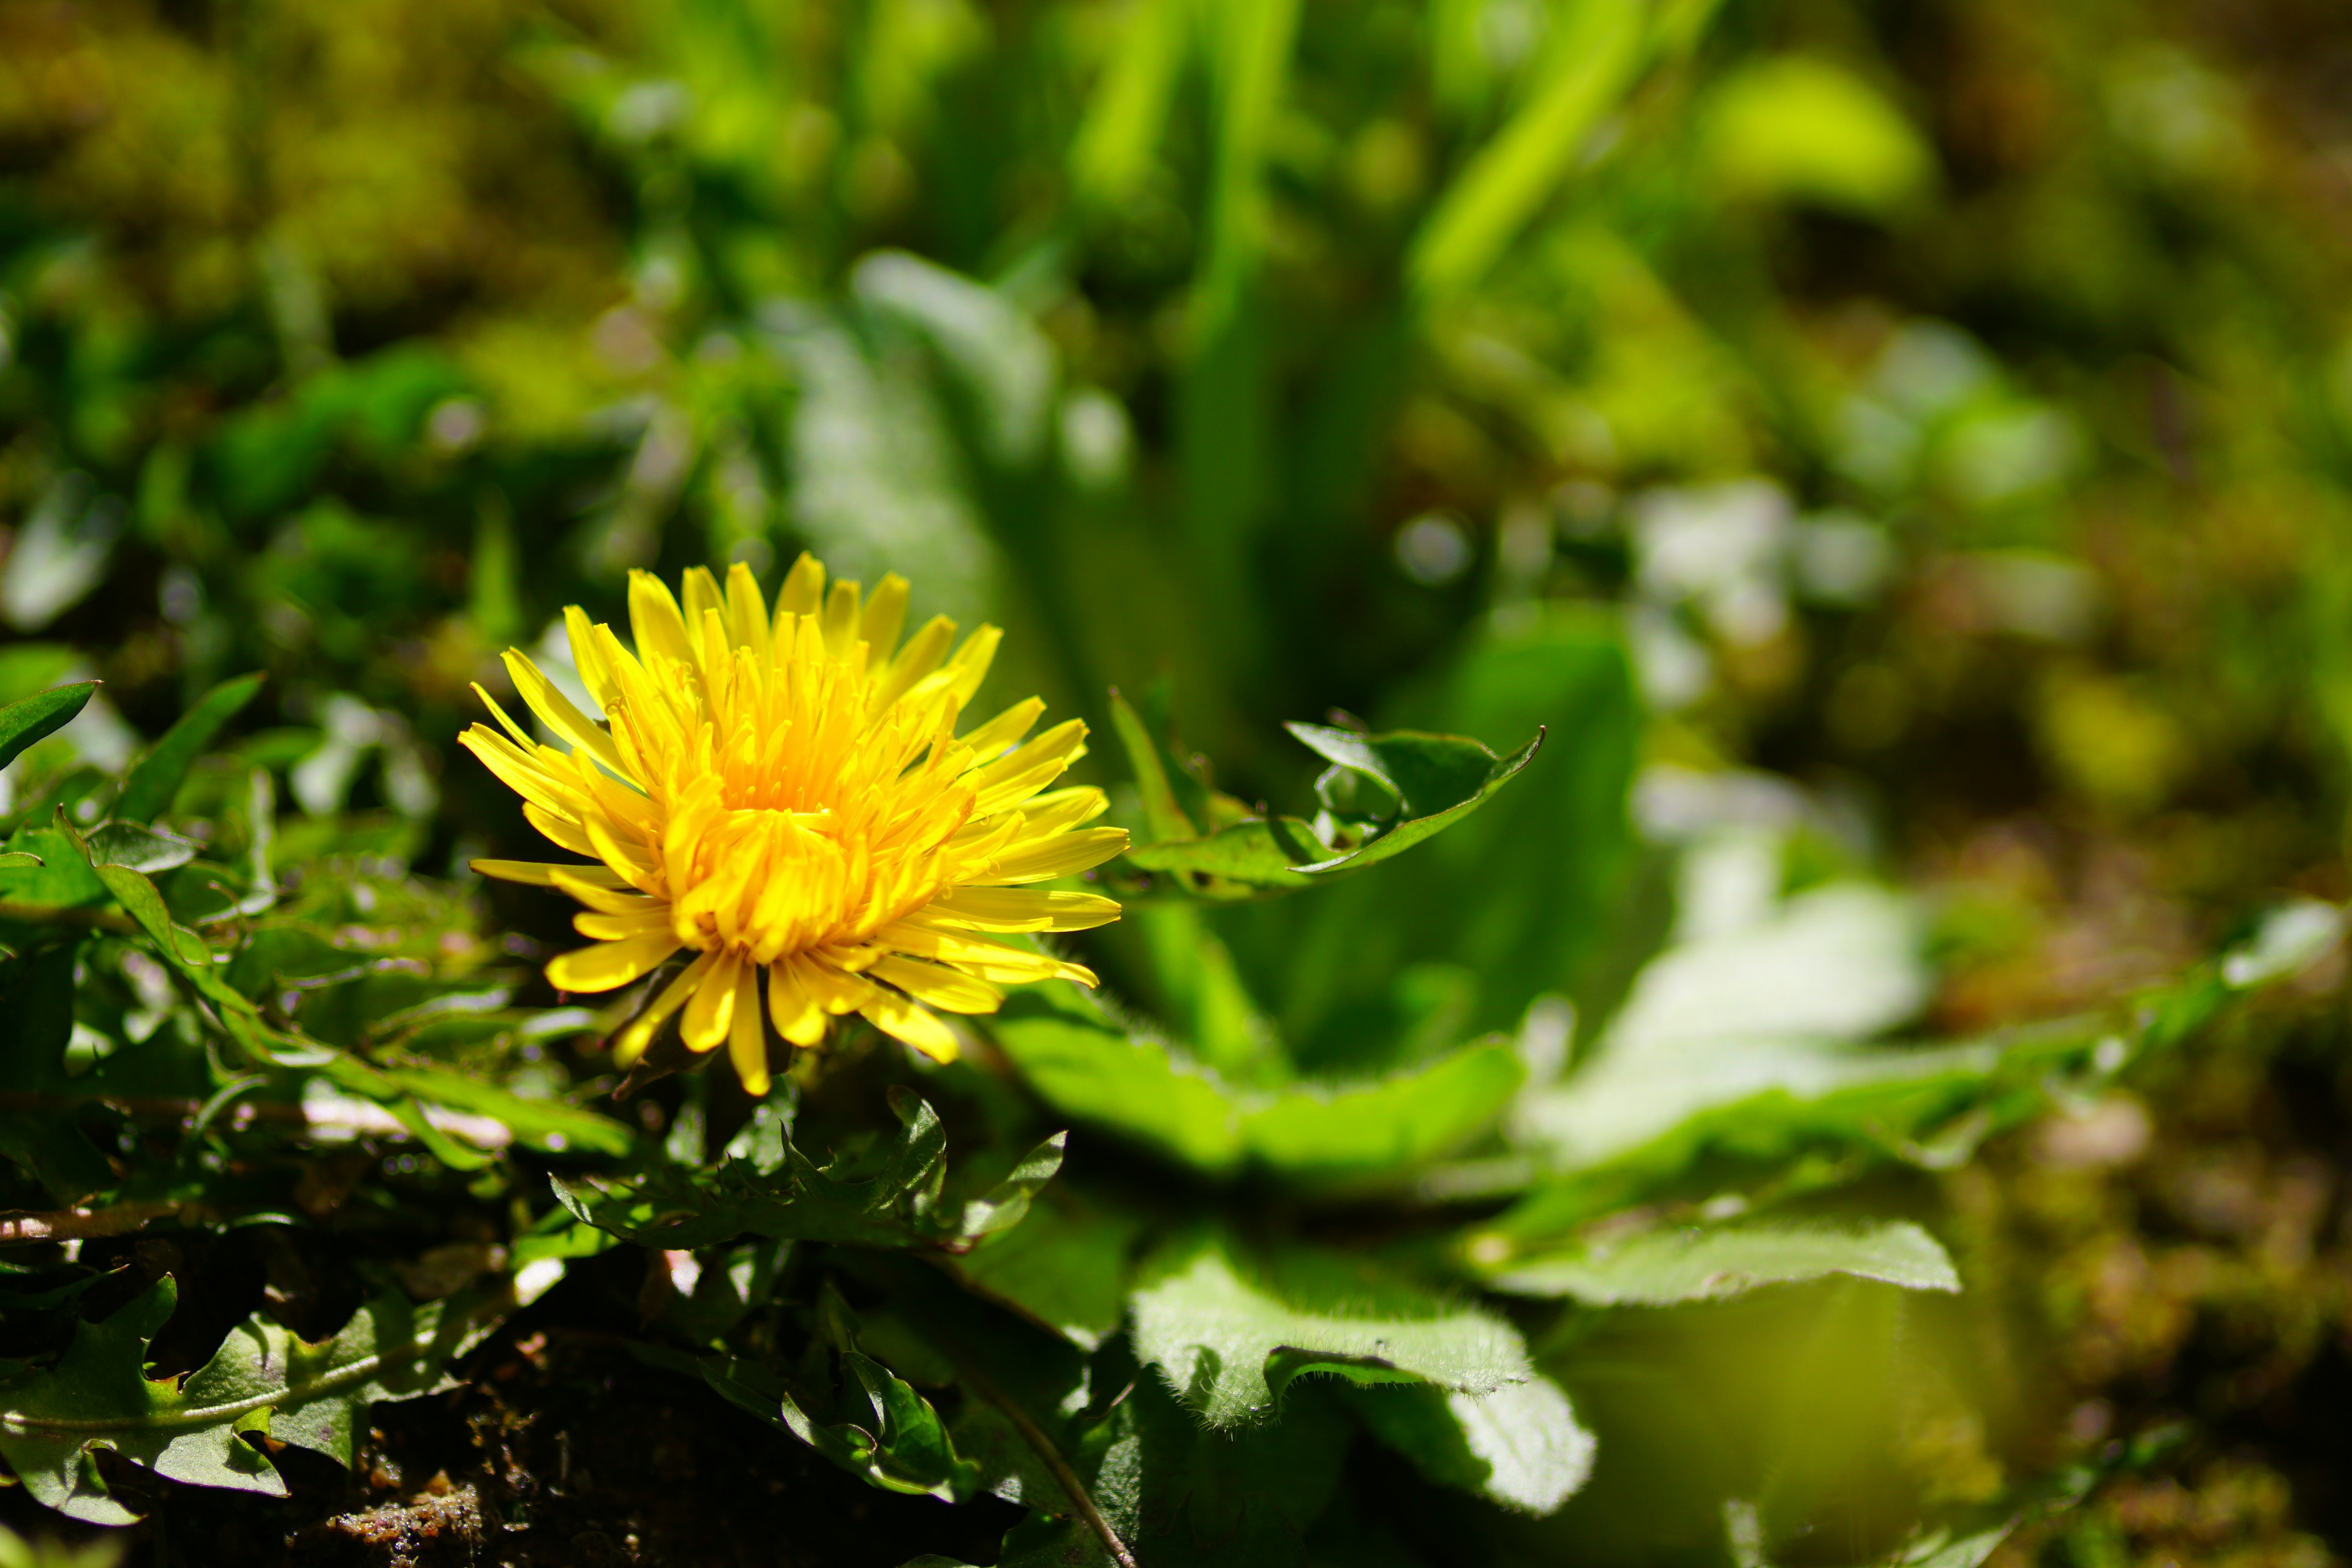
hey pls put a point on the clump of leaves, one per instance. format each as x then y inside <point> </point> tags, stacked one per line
<point>1161,1270</point>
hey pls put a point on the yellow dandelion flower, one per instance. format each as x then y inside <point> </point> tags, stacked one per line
<point>787,797</point>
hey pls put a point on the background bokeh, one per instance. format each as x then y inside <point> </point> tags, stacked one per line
<point>1950,401</point>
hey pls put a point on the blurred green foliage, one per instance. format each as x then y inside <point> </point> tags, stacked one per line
<point>1870,441</point>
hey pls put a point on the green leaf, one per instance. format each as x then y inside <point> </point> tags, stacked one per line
<point>888,1195</point>
<point>1003,1205</point>
<point>1596,54</point>
<point>1453,777</point>
<point>878,1428</point>
<point>1790,128</point>
<point>1064,1267</point>
<point>1087,1066</point>
<point>1520,1446</point>
<point>39,716</point>
<point>155,778</point>
<point>1180,1494</point>
<point>1384,1125</point>
<point>1230,1335</point>
<point>1706,1263</point>
<point>137,848</point>
<point>54,873</point>
<point>1520,899</point>
<point>550,1126</point>
<point>98,1395</point>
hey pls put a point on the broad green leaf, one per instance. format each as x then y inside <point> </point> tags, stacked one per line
<point>1836,963</point>
<point>1705,1263</point>
<point>888,1195</point>
<point>1231,1334</point>
<point>155,778</point>
<point>47,870</point>
<point>1520,1445</point>
<point>98,1395</point>
<point>1088,1066</point>
<point>39,716</point>
<point>1385,1124</point>
<point>1066,1266</point>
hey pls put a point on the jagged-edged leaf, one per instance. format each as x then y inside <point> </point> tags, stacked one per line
<point>1064,1266</point>
<point>878,1428</point>
<point>39,716</point>
<point>156,777</point>
<point>294,956</point>
<point>1420,784</point>
<point>548,1125</point>
<point>1521,1445</point>
<point>47,870</point>
<point>189,956</point>
<point>312,1396</point>
<point>1087,1066</point>
<point>886,1195</point>
<point>1700,1263</point>
<point>1230,1332</point>
<point>1178,1494</point>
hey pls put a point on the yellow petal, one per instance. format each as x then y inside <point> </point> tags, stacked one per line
<point>637,922</point>
<point>542,874</point>
<point>559,714</point>
<point>1007,727</point>
<point>506,723</point>
<point>803,592</point>
<point>885,616</point>
<point>895,1015</point>
<point>951,990</point>
<point>609,965</point>
<point>564,832</point>
<point>655,624</point>
<point>1020,909</point>
<point>1059,857</point>
<point>971,661</point>
<point>840,622</point>
<point>602,898</point>
<point>797,1016</point>
<point>987,960</point>
<point>588,657</point>
<point>711,1011</point>
<point>914,662</point>
<point>747,1038</point>
<point>747,611</point>
<point>830,987</point>
<point>631,1043</point>
<point>702,598</point>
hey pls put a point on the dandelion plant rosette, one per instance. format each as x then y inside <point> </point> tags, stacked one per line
<point>783,800</point>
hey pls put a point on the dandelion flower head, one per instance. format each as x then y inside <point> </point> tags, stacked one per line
<point>782,801</point>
